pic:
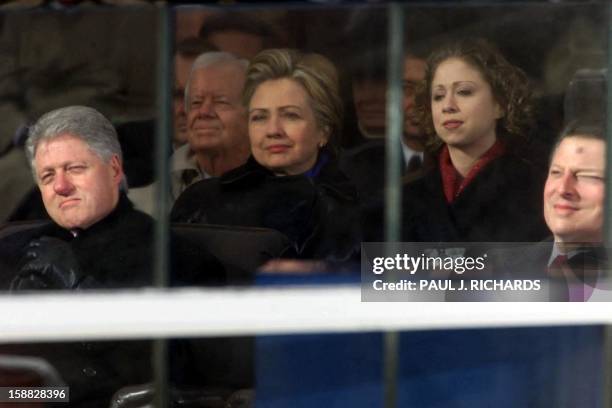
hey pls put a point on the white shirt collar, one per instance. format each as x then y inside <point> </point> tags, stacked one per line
<point>409,153</point>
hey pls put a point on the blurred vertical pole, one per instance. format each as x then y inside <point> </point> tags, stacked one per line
<point>607,343</point>
<point>165,36</point>
<point>395,120</point>
<point>393,172</point>
<point>608,219</point>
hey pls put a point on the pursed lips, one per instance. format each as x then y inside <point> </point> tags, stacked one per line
<point>69,202</point>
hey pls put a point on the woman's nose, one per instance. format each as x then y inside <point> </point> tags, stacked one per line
<point>274,127</point>
<point>449,104</point>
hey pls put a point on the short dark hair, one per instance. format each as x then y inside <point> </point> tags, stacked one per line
<point>577,128</point>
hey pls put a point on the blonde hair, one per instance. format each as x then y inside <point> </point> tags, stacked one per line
<point>315,73</point>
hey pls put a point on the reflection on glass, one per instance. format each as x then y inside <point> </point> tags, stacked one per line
<point>105,58</point>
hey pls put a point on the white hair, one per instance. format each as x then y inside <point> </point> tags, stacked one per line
<point>210,58</point>
<point>82,122</point>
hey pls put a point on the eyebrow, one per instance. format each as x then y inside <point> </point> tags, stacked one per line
<point>456,83</point>
<point>62,165</point>
<point>278,108</point>
<point>577,169</point>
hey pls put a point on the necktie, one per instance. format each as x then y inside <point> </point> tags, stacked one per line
<point>558,270</point>
<point>558,266</point>
<point>568,278</point>
<point>414,163</point>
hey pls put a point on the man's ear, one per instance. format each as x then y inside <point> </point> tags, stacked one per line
<point>117,169</point>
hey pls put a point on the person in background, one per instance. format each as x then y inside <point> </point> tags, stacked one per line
<point>185,54</point>
<point>368,78</point>
<point>136,138</point>
<point>216,124</point>
<point>413,136</point>
<point>241,34</point>
<point>291,182</point>
<point>365,164</point>
<point>216,121</point>
<point>475,108</point>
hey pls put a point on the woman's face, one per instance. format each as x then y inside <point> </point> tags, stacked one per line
<point>463,108</point>
<point>284,134</point>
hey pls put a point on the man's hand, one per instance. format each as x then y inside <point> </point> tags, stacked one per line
<point>48,263</point>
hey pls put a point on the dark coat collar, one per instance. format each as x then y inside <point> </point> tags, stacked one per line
<point>330,178</point>
<point>114,218</point>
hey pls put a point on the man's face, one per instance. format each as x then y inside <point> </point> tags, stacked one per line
<point>182,67</point>
<point>216,119</point>
<point>370,100</point>
<point>574,191</point>
<point>414,72</point>
<point>78,188</point>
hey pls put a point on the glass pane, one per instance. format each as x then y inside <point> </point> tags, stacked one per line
<point>264,194</point>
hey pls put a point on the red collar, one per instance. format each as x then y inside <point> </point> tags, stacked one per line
<point>452,181</point>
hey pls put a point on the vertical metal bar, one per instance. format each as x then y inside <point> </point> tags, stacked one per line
<point>608,218</point>
<point>165,31</point>
<point>607,367</point>
<point>393,171</point>
<point>395,114</point>
<point>607,341</point>
<point>391,351</point>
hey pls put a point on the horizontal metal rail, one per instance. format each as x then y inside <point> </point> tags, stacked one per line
<point>260,311</point>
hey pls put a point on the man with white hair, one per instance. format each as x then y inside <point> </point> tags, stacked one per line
<point>76,161</point>
<point>94,240</point>
<point>217,133</point>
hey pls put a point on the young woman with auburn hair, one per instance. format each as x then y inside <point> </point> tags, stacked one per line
<point>476,109</point>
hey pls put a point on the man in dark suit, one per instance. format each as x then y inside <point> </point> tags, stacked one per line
<point>574,208</point>
<point>573,259</point>
<point>365,164</point>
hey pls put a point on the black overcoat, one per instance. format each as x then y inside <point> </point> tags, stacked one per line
<point>503,203</point>
<point>116,252</point>
<point>320,215</point>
